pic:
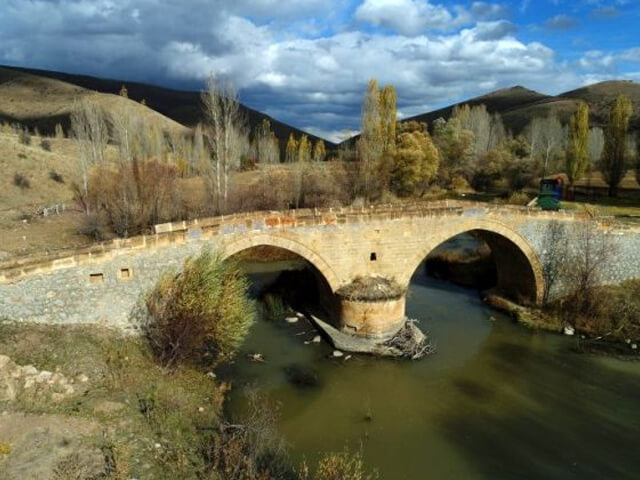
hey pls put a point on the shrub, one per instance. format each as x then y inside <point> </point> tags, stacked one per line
<point>200,315</point>
<point>90,226</point>
<point>344,465</point>
<point>55,176</point>
<point>21,181</point>
<point>134,196</point>
<point>45,145</point>
<point>24,137</point>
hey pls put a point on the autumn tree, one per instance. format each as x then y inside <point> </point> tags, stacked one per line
<point>300,167</point>
<point>319,151</point>
<point>416,160</point>
<point>227,135</point>
<point>291,153</point>
<point>613,163</point>
<point>488,130</point>
<point>577,155</point>
<point>377,138</point>
<point>89,127</point>
<point>456,148</point>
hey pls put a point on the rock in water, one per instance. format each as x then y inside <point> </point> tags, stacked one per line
<point>291,319</point>
<point>317,339</point>
<point>569,330</point>
<point>337,354</point>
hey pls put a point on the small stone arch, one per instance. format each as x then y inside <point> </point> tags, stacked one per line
<point>289,244</point>
<point>498,236</point>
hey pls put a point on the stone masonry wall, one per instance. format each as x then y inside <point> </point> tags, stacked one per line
<point>104,283</point>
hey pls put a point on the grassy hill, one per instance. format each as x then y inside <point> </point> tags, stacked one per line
<point>181,106</point>
<point>42,102</point>
<point>518,105</point>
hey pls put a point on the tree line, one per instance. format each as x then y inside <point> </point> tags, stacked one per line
<point>133,173</point>
<point>474,149</point>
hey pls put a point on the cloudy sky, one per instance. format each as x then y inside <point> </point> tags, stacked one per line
<point>306,62</point>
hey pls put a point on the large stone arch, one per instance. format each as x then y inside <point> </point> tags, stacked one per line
<point>511,252</point>
<point>286,243</point>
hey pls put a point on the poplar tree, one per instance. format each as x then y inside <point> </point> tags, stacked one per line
<point>577,157</point>
<point>613,162</point>
<point>319,151</point>
<point>377,142</point>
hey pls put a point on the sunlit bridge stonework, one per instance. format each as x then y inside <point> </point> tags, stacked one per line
<point>104,283</point>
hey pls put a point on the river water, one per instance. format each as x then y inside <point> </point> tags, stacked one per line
<point>495,401</point>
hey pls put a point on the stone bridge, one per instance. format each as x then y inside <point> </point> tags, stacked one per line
<point>104,282</point>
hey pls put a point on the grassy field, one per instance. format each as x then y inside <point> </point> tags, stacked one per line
<point>142,422</point>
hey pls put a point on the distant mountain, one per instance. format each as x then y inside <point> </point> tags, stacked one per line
<point>29,86</point>
<point>518,105</point>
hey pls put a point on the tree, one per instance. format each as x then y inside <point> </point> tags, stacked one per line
<point>488,130</point>
<point>291,154</point>
<point>227,136</point>
<point>319,151</point>
<point>200,315</point>
<point>456,149</point>
<point>613,162</point>
<point>89,127</point>
<point>577,155</point>
<point>300,167</point>
<point>416,160</point>
<point>545,136</point>
<point>376,145</point>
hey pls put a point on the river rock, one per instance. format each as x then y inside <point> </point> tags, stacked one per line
<point>317,339</point>
<point>634,346</point>
<point>569,330</point>
<point>338,354</point>
<point>291,319</point>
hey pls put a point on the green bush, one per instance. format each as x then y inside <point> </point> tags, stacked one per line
<point>200,315</point>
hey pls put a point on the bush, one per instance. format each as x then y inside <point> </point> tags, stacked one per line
<point>134,196</point>
<point>344,465</point>
<point>90,226</point>
<point>21,181</point>
<point>200,315</point>
<point>45,145</point>
<point>55,176</point>
<point>24,137</point>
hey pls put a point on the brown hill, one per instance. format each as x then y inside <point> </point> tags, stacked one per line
<point>42,102</point>
<point>518,105</point>
<point>181,106</point>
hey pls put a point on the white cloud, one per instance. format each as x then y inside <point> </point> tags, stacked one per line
<point>315,80</point>
<point>410,17</point>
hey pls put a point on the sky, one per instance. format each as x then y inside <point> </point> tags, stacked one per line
<point>307,62</point>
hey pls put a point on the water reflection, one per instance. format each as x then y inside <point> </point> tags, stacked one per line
<point>495,401</point>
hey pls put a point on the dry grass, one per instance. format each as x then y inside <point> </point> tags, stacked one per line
<point>369,289</point>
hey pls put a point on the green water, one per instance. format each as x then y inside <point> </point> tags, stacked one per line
<point>495,401</point>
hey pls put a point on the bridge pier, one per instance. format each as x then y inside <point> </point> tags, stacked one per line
<point>372,318</point>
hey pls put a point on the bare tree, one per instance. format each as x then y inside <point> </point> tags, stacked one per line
<point>89,127</point>
<point>488,130</point>
<point>227,135</point>
<point>545,135</point>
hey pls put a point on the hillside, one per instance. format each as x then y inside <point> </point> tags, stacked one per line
<point>43,102</point>
<point>518,105</point>
<point>182,106</point>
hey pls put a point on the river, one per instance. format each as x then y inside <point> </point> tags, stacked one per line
<point>496,401</point>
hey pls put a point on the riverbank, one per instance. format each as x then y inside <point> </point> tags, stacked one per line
<point>598,335</point>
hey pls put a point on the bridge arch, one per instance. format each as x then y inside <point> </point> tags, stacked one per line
<point>289,244</point>
<point>518,267</point>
